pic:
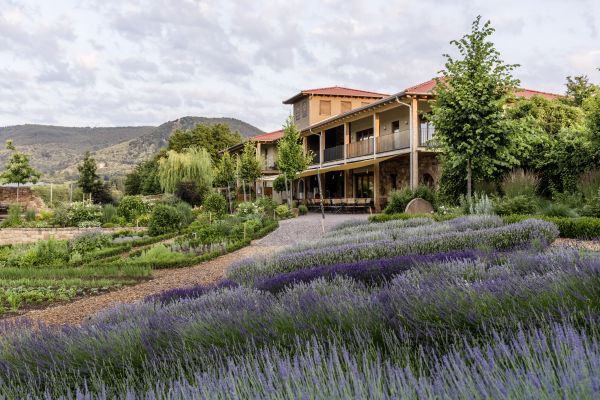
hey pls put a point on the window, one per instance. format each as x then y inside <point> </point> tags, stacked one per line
<point>363,185</point>
<point>365,134</point>
<point>324,107</point>
<point>346,106</point>
<point>427,131</point>
<point>297,111</point>
<point>395,126</point>
<point>304,108</point>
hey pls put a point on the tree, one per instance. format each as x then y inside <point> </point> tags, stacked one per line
<point>88,181</point>
<point>468,112</point>
<point>291,158</point>
<point>226,175</point>
<point>18,170</point>
<point>144,178</point>
<point>579,89</point>
<point>249,166</point>
<point>192,165</point>
<point>213,138</point>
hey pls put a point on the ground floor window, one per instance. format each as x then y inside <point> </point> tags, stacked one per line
<point>363,185</point>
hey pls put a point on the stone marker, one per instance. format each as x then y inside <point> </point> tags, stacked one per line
<point>418,206</point>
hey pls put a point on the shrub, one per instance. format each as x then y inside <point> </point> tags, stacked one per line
<point>160,253</point>
<point>131,208</point>
<point>30,215</point>
<point>520,204</point>
<point>399,199</point>
<point>187,215</point>
<point>302,209</point>
<point>109,214</point>
<point>249,210</point>
<point>589,183</point>
<point>215,204</point>
<point>51,253</point>
<point>190,193</point>
<point>77,214</point>
<point>164,219</point>
<point>576,228</point>
<point>559,210</point>
<point>89,241</point>
<point>592,208</point>
<point>267,204</point>
<point>481,205</point>
<point>520,183</point>
<point>14,216</point>
<point>282,211</point>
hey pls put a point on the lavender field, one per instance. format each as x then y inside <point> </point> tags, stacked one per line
<point>467,308</point>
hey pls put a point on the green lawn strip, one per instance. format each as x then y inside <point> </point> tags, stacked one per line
<point>106,270</point>
<point>68,282</point>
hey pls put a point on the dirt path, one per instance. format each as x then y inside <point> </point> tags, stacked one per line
<point>207,272</point>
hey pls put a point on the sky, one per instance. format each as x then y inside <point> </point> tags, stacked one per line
<point>124,63</point>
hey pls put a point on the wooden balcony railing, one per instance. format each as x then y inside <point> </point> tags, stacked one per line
<point>360,148</point>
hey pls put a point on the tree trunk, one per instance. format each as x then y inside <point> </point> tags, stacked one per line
<point>244,189</point>
<point>287,192</point>
<point>229,200</point>
<point>469,178</point>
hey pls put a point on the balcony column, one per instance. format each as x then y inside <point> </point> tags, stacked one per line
<point>414,144</point>
<point>346,138</point>
<point>258,148</point>
<point>305,144</point>
<point>375,133</point>
<point>376,204</point>
<point>322,147</point>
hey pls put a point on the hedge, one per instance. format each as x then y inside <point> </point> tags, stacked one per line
<point>574,228</point>
<point>389,217</point>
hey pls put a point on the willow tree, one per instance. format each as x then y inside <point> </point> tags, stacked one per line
<point>193,165</point>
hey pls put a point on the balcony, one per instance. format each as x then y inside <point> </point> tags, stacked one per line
<point>395,141</point>
<point>333,153</point>
<point>360,148</point>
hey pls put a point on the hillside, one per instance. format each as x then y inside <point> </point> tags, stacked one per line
<point>56,150</point>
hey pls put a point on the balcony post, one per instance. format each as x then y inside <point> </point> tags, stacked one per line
<point>376,204</point>
<point>321,147</point>
<point>346,139</point>
<point>414,155</point>
<point>375,133</point>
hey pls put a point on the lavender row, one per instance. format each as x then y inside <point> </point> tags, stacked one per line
<point>400,230</point>
<point>521,234</point>
<point>561,362</point>
<point>416,305</point>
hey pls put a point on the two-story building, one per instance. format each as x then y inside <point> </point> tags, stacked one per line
<point>367,144</point>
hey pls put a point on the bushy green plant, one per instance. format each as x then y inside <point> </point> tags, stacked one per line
<point>249,210</point>
<point>14,216</point>
<point>109,213</point>
<point>520,183</point>
<point>131,208</point>
<point>89,241</point>
<point>515,205</point>
<point>30,215</point>
<point>160,253</point>
<point>302,209</point>
<point>576,228</point>
<point>77,214</point>
<point>399,199</point>
<point>481,204</point>
<point>53,253</point>
<point>592,207</point>
<point>215,204</point>
<point>267,204</point>
<point>589,184</point>
<point>164,219</point>
<point>282,211</point>
<point>186,212</point>
<point>559,210</point>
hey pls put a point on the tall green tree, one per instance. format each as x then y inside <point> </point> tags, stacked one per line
<point>18,170</point>
<point>468,112</point>
<point>225,175</point>
<point>249,166</point>
<point>213,138</point>
<point>144,178</point>
<point>193,165</point>
<point>291,159</point>
<point>88,181</point>
<point>579,88</point>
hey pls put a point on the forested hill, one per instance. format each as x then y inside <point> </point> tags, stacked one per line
<point>56,150</point>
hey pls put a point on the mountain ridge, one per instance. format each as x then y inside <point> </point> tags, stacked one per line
<point>56,150</point>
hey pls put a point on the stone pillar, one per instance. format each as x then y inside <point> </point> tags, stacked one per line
<point>414,164</point>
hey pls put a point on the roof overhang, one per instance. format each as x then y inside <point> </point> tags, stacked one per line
<point>346,166</point>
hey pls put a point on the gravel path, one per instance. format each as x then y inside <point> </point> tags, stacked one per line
<point>290,232</point>
<point>593,245</point>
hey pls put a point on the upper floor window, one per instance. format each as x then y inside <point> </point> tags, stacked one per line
<point>427,131</point>
<point>304,108</point>
<point>324,107</point>
<point>346,106</point>
<point>297,111</point>
<point>365,134</point>
<point>395,126</point>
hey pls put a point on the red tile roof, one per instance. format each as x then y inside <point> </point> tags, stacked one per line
<point>268,137</point>
<point>427,88</point>
<point>336,91</point>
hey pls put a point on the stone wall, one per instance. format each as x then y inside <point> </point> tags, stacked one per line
<point>30,235</point>
<point>28,199</point>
